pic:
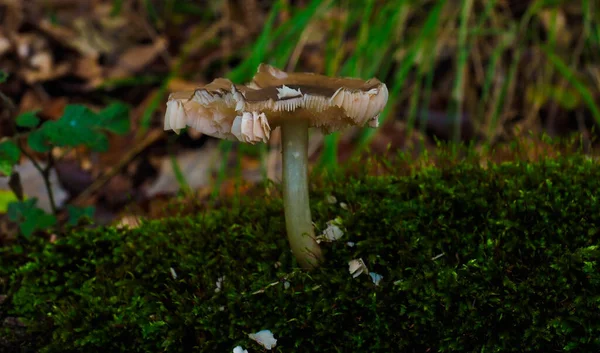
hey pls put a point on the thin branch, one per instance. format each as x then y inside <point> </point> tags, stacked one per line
<point>153,136</point>
<point>45,172</point>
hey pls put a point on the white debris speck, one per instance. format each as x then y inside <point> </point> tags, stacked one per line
<point>437,256</point>
<point>221,308</point>
<point>239,349</point>
<point>330,199</point>
<point>129,222</point>
<point>343,205</point>
<point>375,277</point>
<point>173,273</point>
<point>333,232</point>
<point>286,284</point>
<point>219,284</point>
<point>357,267</point>
<point>264,338</point>
<point>350,243</point>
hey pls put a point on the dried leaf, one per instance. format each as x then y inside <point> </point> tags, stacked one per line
<point>137,58</point>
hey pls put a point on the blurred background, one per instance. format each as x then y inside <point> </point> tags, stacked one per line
<point>84,85</point>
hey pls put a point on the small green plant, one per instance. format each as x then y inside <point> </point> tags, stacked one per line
<point>29,217</point>
<point>78,126</point>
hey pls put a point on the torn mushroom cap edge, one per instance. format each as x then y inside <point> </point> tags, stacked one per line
<point>214,109</point>
<point>209,109</point>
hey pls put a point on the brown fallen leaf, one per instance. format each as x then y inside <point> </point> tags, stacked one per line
<point>38,62</point>
<point>5,45</point>
<point>137,58</point>
<point>12,15</point>
<point>89,69</point>
<point>50,109</point>
<point>179,84</point>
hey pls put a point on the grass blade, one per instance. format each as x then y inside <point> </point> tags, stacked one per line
<point>247,68</point>
<point>577,84</point>
<point>430,28</point>
<point>461,67</point>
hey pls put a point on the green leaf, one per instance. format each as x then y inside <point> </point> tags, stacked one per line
<point>9,151</point>
<point>29,217</point>
<point>36,220</point>
<point>6,198</point>
<point>115,118</point>
<point>3,76</point>
<point>28,119</point>
<point>78,213</point>
<point>99,143</point>
<point>5,168</point>
<point>38,141</point>
<point>81,126</point>
<point>77,116</point>
<point>9,156</point>
<point>74,128</point>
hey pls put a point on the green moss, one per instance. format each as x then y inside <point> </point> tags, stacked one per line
<point>518,271</point>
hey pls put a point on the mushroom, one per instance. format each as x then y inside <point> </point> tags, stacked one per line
<point>295,102</point>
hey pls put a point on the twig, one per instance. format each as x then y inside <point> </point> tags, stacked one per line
<point>8,101</point>
<point>103,179</point>
<point>47,169</point>
<point>45,172</point>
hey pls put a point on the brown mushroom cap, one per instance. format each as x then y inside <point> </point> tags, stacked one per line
<point>247,113</point>
<point>210,109</point>
<point>328,103</point>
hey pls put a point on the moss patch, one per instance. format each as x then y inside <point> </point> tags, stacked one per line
<point>497,259</point>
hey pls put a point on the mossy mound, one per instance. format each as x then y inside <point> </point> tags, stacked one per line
<point>497,259</point>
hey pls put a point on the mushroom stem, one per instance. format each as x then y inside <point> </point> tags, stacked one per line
<point>298,221</point>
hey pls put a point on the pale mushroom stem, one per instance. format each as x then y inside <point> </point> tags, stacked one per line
<point>298,221</point>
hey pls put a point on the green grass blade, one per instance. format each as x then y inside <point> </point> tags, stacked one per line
<point>158,99</point>
<point>179,176</point>
<point>429,29</point>
<point>247,68</point>
<point>427,97</point>
<point>572,78</point>
<point>491,72</point>
<point>413,105</point>
<point>461,67</point>
<point>333,54</point>
<point>499,103</point>
<point>489,6</point>
<point>224,150</point>
<point>288,35</point>
<point>353,66</point>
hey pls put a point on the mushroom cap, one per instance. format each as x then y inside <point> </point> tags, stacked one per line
<point>247,112</point>
<point>329,103</point>
<point>210,109</point>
